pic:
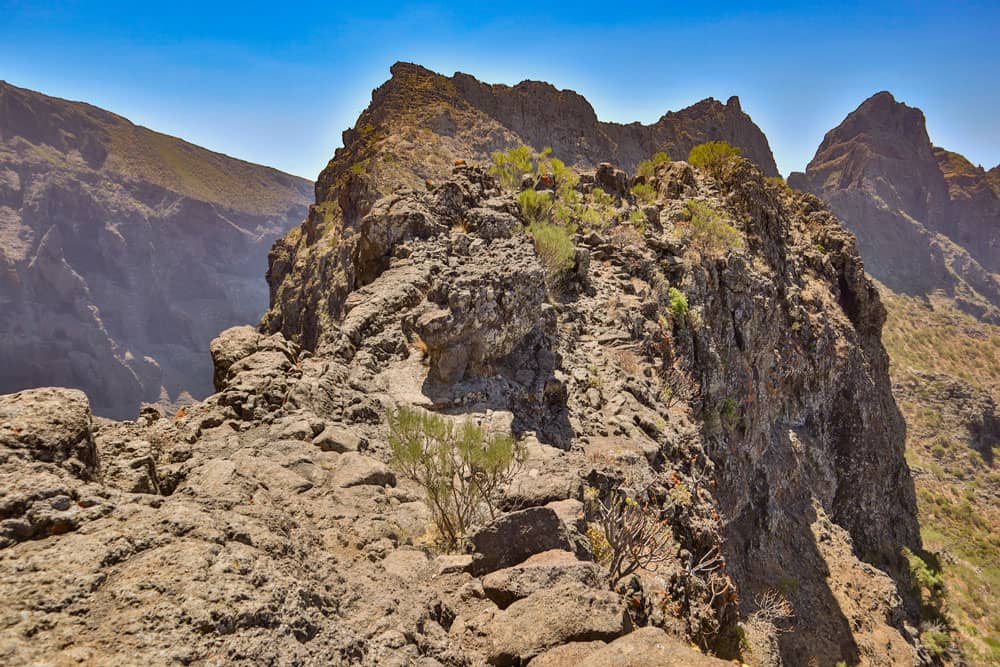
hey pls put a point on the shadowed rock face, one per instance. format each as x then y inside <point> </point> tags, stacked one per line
<point>926,218</point>
<point>123,252</point>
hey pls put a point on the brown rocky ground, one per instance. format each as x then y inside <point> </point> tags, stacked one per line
<point>263,525</point>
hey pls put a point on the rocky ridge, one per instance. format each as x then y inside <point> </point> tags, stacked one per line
<point>124,251</point>
<point>264,524</point>
<point>419,121</point>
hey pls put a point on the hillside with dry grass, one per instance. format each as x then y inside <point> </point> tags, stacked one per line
<point>945,368</point>
<point>123,251</point>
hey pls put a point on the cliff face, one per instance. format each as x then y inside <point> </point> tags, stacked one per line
<point>925,218</point>
<point>123,251</point>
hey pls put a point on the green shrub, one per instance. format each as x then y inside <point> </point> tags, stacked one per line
<point>536,206</point>
<point>928,583</point>
<point>462,468</point>
<point>678,304</point>
<point>708,230</point>
<point>509,167</point>
<point>647,168</point>
<point>591,218</point>
<point>730,414</point>
<point>554,245</point>
<point>712,156</point>
<point>936,639</point>
<point>644,193</point>
<point>638,219</point>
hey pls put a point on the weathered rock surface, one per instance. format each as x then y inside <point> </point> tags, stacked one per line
<point>124,251</point>
<point>926,219</point>
<point>265,524</point>
<point>570,612</point>
<point>540,571</point>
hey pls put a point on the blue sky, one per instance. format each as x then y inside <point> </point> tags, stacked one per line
<point>277,82</point>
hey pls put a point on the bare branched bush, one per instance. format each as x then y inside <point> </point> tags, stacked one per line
<point>636,536</point>
<point>762,627</point>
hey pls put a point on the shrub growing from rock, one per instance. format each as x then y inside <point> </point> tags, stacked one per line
<point>707,229</point>
<point>554,245</point>
<point>536,206</point>
<point>461,467</point>
<point>713,156</point>
<point>644,193</point>
<point>510,166</point>
<point>647,168</point>
<point>678,304</point>
<point>634,536</point>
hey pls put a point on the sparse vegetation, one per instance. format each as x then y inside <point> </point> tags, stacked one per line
<point>713,156</point>
<point>647,168</point>
<point>536,206</point>
<point>678,305</point>
<point>770,619</point>
<point>509,167</point>
<point>932,346</point>
<point>461,467</point>
<point>707,229</point>
<point>636,538</point>
<point>555,249</point>
<point>644,193</point>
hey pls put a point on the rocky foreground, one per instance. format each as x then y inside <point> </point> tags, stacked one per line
<point>263,525</point>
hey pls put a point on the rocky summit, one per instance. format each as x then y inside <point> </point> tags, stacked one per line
<point>925,217</point>
<point>690,353</point>
<point>123,252</point>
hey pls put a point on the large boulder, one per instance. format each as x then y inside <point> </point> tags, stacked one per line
<point>571,612</point>
<point>514,537</point>
<point>478,312</point>
<point>52,425</point>
<point>645,647</point>
<point>545,570</point>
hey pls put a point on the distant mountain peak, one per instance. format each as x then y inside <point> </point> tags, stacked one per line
<point>926,218</point>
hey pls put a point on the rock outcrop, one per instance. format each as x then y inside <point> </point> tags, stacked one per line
<point>419,121</point>
<point>417,125</point>
<point>926,219</point>
<point>124,251</point>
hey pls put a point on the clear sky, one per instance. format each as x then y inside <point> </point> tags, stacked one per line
<point>277,82</point>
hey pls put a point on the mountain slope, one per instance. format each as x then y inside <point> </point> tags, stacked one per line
<point>124,251</point>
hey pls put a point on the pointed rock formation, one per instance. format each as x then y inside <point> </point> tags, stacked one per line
<point>925,218</point>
